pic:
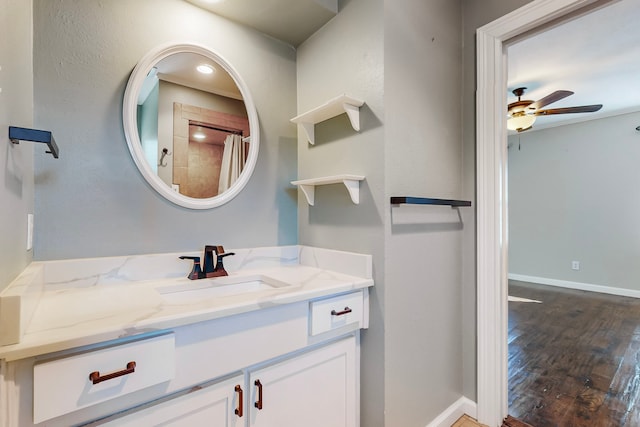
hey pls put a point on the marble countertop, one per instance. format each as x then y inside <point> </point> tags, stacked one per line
<point>72,313</point>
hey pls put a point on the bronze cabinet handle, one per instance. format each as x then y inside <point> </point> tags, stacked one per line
<point>346,310</point>
<point>238,390</point>
<point>258,403</point>
<point>96,378</point>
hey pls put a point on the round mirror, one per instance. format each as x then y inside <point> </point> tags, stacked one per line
<point>191,125</point>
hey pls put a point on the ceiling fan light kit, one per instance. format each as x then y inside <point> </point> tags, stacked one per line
<point>522,113</point>
<point>520,121</point>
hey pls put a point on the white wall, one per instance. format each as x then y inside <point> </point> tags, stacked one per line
<point>16,161</point>
<point>573,195</point>
<point>93,201</point>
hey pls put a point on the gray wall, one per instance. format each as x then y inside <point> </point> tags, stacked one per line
<point>423,259</point>
<point>475,15</point>
<point>412,366</point>
<point>346,56</point>
<point>573,195</point>
<point>93,201</point>
<point>16,161</point>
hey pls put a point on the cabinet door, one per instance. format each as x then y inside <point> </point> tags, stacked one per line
<point>212,406</point>
<point>316,389</point>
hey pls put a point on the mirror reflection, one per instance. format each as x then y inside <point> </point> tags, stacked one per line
<point>193,125</point>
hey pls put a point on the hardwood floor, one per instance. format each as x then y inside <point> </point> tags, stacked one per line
<point>467,421</point>
<point>574,359</point>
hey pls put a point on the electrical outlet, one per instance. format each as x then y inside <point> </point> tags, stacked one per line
<point>29,232</point>
<point>575,265</point>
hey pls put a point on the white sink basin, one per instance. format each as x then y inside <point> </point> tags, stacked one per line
<point>197,290</point>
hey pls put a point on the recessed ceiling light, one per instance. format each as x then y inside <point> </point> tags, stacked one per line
<point>205,69</point>
<point>199,135</point>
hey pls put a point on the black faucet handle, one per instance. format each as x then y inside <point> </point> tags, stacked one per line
<point>196,271</point>
<point>219,266</point>
<point>219,251</point>
<point>219,259</point>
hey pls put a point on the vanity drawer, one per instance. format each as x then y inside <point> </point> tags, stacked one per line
<point>66,384</point>
<point>336,312</point>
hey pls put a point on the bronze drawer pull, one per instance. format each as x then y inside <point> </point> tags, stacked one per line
<point>346,310</point>
<point>258,403</point>
<point>238,390</point>
<point>96,378</point>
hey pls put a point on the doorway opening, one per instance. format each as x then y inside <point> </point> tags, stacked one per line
<point>491,214</point>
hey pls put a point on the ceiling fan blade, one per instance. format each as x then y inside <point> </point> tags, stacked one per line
<point>551,98</point>
<point>568,110</point>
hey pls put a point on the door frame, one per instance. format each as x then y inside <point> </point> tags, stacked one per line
<point>491,193</point>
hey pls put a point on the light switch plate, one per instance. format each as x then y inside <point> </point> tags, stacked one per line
<point>29,231</point>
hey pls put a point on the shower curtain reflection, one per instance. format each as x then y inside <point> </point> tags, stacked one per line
<point>234,157</point>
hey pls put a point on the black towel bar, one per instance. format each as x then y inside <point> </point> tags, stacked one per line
<point>17,134</point>
<point>429,201</point>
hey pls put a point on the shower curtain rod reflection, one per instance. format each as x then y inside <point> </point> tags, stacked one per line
<point>213,127</point>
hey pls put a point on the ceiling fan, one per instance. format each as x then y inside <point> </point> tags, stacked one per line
<point>522,113</point>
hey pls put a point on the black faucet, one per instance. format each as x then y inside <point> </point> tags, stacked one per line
<point>210,269</point>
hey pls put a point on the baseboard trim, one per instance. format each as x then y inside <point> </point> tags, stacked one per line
<point>576,285</point>
<point>456,410</point>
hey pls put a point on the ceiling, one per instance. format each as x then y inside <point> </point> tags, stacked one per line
<point>180,68</point>
<point>597,56</point>
<point>290,21</point>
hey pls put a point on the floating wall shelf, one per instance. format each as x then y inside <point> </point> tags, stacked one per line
<point>336,106</point>
<point>428,201</point>
<point>17,134</point>
<point>351,182</point>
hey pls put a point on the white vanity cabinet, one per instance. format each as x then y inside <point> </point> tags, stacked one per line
<point>299,361</point>
<point>92,377</point>
<point>216,405</point>
<point>316,389</point>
